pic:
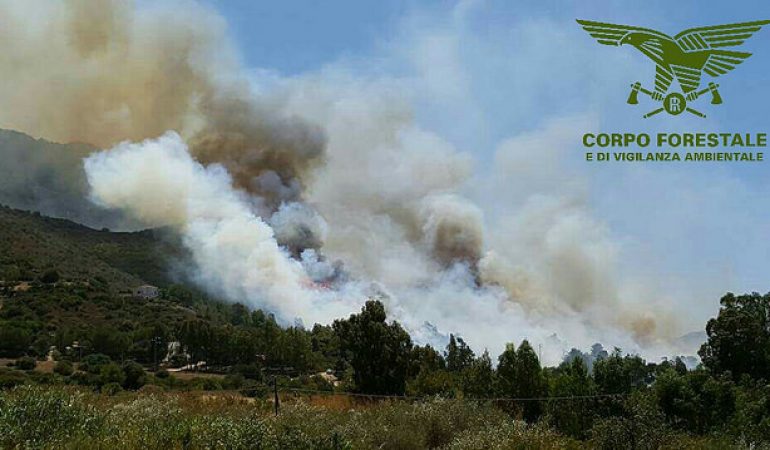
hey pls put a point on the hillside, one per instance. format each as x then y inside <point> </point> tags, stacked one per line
<point>31,244</point>
<point>39,175</point>
<point>88,300</point>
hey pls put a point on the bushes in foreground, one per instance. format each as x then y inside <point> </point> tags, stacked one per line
<point>61,417</point>
<point>58,417</point>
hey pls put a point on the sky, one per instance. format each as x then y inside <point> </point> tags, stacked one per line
<point>517,63</point>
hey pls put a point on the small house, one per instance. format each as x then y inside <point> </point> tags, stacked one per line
<point>146,291</point>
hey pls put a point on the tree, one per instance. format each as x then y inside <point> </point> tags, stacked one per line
<point>571,380</point>
<point>149,343</point>
<point>426,359</point>
<point>458,355</point>
<point>506,371</point>
<point>267,333</point>
<point>220,347</point>
<point>239,314</point>
<point>739,337</point>
<point>14,341</point>
<point>378,352</point>
<point>196,335</point>
<point>641,425</point>
<point>619,375</point>
<point>695,401</point>
<point>478,380</point>
<point>110,342</point>
<point>428,383</point>
<point>295,349</point>
<point>529,380</point>
<point>325,345</point>
<point>430,375</point>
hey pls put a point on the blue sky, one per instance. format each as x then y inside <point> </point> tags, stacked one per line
<point>296,37</point>
<point>482,72</point>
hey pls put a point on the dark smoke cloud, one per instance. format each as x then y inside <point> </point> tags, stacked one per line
<point>266,155</point>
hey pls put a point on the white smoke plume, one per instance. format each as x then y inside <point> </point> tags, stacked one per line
<point>309,198</point>
<point>526,260</point>
<point>235,252</point>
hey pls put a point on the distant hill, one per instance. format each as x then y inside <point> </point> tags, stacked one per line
<point>43,176</point>
<point>31,244</point>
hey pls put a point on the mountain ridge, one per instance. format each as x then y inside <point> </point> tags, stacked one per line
<point>31,244</point>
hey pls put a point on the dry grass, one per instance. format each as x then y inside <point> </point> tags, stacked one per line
<point>191,375</point>
<point>42,366</point>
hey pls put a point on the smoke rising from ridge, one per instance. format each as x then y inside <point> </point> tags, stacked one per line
<point>234,250</point>
<point>310,197</point>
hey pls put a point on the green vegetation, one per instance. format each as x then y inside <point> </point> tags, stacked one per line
<point>42,250</point>
<point>90,362</point>
<point>44,417</point>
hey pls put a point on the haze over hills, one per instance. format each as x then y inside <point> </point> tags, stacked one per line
<point>43,176</point>
<point>31,243</point>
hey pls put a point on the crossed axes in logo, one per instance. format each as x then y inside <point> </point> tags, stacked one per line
<point>674,103</point>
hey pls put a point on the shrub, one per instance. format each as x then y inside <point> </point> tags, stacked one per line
<point>11,273</point>
<point>49,277</point>
<point>233,381</point>
<point>511,434</point>
<point>93,363</point>
<point>135,375</point>
<point>63,368</point>
<point>110,389</point>
<point>210,384</point>
<point>26,363</point>
<point>42,377</point>
<point>227,432</point>
<point>642,426</point>
<point>147,422</point>
<point>33,417</point>
<point>178,360</point>
<point>248,371</point>
<point>111,373</point>
<point>84,379</point>
<point>11,378</point>
<point>257,390</point>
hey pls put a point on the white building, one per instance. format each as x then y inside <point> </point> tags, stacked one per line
<point>146,291</point>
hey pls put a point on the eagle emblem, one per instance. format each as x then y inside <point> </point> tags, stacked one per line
<point>684,58</point>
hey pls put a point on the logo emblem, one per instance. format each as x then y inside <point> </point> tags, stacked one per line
<point>684,57</point>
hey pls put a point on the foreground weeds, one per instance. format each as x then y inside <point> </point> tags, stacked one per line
<point>45,417</point>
